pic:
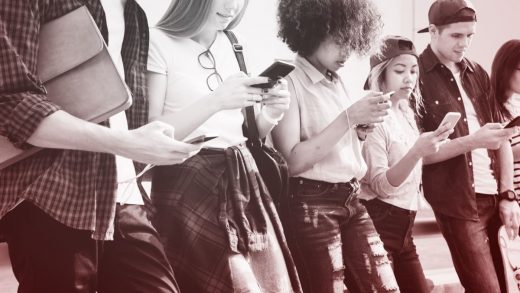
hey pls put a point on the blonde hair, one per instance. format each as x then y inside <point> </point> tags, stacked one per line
<point>186,18</point>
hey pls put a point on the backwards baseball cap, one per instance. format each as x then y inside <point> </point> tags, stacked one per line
<point>391,47</point>
<point>444,12</point>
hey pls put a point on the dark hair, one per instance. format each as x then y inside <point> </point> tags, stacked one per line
<point>505,64</point>
<point>304,24</point>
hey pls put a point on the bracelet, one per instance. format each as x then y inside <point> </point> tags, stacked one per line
<point>270,119</point>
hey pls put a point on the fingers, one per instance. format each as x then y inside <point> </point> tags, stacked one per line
<point>255,80</point>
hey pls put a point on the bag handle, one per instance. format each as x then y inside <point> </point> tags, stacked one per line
<point>252,133</point>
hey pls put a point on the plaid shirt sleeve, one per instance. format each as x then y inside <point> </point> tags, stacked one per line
<point>23,103</point>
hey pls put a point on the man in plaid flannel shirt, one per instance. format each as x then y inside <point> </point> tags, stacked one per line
<point>71,223</point>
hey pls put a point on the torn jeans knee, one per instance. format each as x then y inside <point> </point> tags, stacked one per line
<point>382,264</point>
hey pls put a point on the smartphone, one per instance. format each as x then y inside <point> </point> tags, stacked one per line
<point>200,139</point>
<point>275,71</point>
<point>513,123</point>
<point>451,119</point>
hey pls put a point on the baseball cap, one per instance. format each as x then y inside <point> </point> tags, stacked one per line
<point>392,46</point>
<point>444,12</point>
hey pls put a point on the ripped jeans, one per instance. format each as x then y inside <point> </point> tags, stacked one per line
<point>333,240</point>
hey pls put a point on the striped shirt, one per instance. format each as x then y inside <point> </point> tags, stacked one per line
<point>513,105</point>
<point>76,188</point>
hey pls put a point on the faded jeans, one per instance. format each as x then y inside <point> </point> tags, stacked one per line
<point>334,242</point>
<point>394,225</point>
<point>474,247</point>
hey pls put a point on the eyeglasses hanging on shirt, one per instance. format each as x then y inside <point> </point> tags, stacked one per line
<point>207,61</point>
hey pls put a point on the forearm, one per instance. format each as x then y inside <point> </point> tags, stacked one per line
<point>398,173</point>
<point>505,161</point>
<point>450,149</point>
<point>307,153</point>
<point>63,131</point>
<point>188,119</point>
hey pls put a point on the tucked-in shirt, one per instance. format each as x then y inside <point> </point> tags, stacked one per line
<point>76,188</point>
<point>178,59</point>
<point>320,101</point>
<point>449,185</point>
<point>513,105</point>
<point>385,147</point>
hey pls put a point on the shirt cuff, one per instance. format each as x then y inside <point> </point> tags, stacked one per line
<point>25,117</point>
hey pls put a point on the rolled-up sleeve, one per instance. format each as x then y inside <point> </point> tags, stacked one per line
<point>23,100</point>
<point>376,155</point>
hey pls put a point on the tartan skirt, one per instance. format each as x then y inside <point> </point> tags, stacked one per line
<point>212,207</point>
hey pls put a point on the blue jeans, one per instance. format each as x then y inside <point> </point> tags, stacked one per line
<point>394,225</point>
<point>334,242</point>
<point>474,247</point>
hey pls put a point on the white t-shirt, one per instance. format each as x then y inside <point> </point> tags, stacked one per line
<point>485,182</point>
<point>127,192</point>
<point>177,58</point>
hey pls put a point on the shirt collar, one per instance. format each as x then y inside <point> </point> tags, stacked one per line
<point>431,61</point>
<point>314,74</point>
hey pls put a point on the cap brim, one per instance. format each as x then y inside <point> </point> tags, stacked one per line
<point>424,30</point>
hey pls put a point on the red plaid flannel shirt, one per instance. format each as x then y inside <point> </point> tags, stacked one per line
<point>76,188</point>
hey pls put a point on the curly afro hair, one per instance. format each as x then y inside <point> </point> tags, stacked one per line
<point>304,24</point>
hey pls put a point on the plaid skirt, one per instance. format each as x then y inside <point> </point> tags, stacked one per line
<point>212,207</point>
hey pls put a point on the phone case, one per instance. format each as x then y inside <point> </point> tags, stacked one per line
<point>275,71</point>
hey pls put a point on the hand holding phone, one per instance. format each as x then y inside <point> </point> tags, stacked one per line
<point>450,119</point>
<point>200,139</point>
<point>275,71</point>
<point>513,123</point>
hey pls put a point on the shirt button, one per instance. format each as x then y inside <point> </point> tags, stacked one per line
<point>470,163</point>
<point>473,185</point>
<point>451,79</point>
<point>436,102</point>
<point>459,99</point>
<point>465,120</point>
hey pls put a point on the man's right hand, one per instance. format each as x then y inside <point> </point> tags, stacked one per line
<point>153,143</point>
<point>491,136</point>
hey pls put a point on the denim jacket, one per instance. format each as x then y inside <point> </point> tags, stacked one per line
<point>449,185</point>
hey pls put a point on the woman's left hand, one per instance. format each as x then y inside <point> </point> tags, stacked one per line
<point>276,100</point>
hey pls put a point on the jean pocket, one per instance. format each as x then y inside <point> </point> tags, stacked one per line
<point>377,211</point>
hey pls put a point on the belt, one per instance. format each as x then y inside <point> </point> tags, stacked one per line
<point>352,186</point>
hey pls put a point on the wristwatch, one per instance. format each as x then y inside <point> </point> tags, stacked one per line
<point>509,195</point>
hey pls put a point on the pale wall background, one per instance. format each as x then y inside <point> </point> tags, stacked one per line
<point>498,21</point>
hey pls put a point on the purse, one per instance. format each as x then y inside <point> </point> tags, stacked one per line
<point>510,250</point>
<point>78,73</point>
<point>271,164</point>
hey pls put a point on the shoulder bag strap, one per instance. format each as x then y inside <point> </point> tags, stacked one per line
<point>252,129</point>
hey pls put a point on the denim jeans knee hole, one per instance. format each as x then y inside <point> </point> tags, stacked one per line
<point>336,257</point>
